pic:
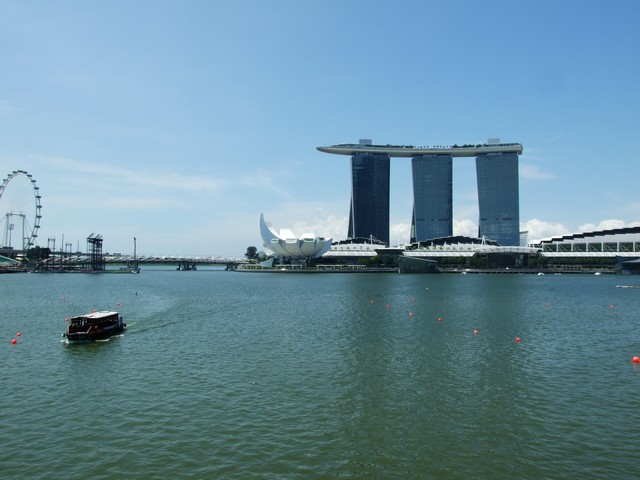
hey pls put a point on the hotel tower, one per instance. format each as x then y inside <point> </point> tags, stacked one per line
<point>432,171</point>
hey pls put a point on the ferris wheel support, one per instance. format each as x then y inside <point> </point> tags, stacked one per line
<point>10,226</point>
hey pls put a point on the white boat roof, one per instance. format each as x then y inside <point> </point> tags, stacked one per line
<point>102,314</point>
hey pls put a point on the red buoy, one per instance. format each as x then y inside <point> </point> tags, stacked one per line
<point>475,331</point>
<point>18,334</point>
<point>411,314</point>
<point>13,341</point>
<point>517,339</point>
<point>67,319</point>
<point>440,319</point>
<point>636,359</point>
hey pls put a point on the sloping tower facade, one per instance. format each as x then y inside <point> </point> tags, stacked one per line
<point>369,212</point>
<point>498,198</point>
<point>432,197</point>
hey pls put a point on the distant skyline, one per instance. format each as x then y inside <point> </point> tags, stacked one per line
<point>179,123</point>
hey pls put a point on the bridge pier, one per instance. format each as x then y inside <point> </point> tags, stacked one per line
<point>186,265</point>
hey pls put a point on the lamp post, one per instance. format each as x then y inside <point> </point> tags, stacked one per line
<point>135,260</point>
<point>11,225</point>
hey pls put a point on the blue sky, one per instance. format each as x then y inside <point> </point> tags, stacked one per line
<point>179,122</point>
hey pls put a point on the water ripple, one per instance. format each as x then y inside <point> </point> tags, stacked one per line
<point>224,375</point>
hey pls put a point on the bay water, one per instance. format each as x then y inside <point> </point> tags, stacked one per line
<point>253,375</point>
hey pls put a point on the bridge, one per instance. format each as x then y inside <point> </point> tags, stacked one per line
<point>65,260</point>
<point>183,262</point>
<point>164,258</point>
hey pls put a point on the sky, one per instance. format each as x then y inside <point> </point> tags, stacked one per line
<point>179,122</point>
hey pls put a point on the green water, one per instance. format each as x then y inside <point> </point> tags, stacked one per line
<point>249,375</point>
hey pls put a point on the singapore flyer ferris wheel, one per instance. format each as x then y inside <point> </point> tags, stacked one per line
<point>20,211</point>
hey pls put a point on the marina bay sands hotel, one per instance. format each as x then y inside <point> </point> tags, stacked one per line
<point>432,169</point>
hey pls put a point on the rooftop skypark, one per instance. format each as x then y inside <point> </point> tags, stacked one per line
<point>466,150</point>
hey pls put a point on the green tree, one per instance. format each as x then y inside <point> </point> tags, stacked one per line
<point>252,253</point>
<point>389,260</point>
<point>37,254</point>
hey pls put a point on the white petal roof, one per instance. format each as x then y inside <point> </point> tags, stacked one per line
<point>286,244</point>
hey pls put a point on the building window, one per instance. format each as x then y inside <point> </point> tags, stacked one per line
<point>626,246</point>
<point>594,247</point>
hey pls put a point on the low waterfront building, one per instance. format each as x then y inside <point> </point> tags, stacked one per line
<point>459,252</point>
<point>9,265</point>
<point>617,247</point>
<point>350,250</point>
<point>613,242</point>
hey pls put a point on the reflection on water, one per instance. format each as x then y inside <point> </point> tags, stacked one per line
<point>240,375</point>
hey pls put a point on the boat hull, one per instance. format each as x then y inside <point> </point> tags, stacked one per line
<point>88,337</point>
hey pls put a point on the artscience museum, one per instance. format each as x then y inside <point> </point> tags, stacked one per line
<point>286,245</point>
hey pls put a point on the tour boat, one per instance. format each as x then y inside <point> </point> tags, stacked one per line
<point>94,326</point>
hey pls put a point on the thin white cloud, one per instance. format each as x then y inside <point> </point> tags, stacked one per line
<point>467,210</point>
<point>264,180</point>
<point>169,180</point>
<point>104,201</point>
<point>634,208</point>
<point>7,108</point>
<point>532,172</point>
